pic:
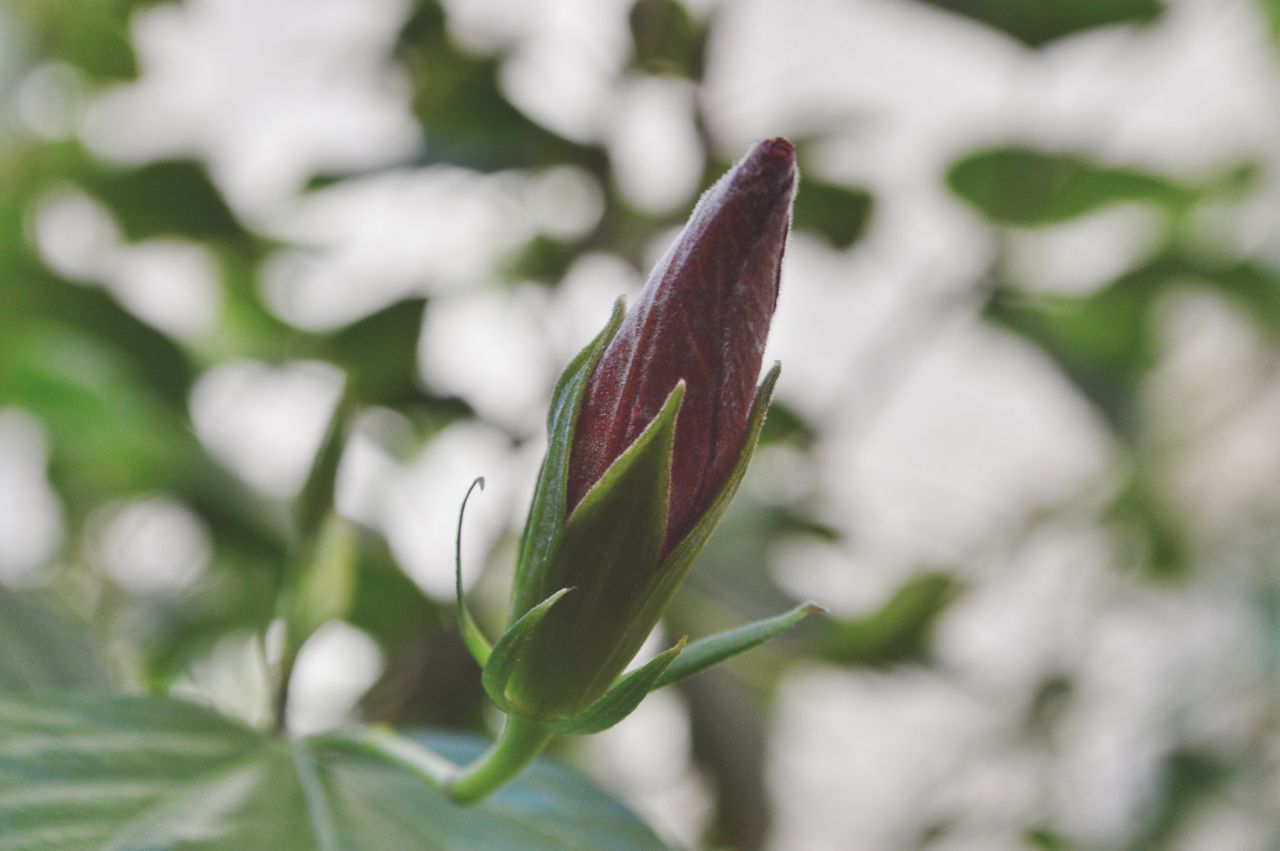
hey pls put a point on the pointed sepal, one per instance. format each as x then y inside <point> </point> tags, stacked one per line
<point>608,550</point>
<point>623,696</point>
<point>472,636</point>
<point>676,566</point>
<point>507,652</point>
<point>548,509</point>
<point>712,650</point>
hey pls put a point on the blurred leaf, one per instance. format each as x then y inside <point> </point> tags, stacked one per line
<point>1045,839</point>
<point>90,34</point>
<point>1102,343</point>
<point>109,435</point>
<point>1271,9</point>
<point>785,425</point>
<point>379,353</point>
<point>388,604</point>
<point>465,117</point>
<point>158,773</point>
<point>839,214</point>
<point>1048,705</point>
<point>899,631</point>
<point>1158,541</point>
<point>43,651</point>
<point>1188,779</point>
<point>1038,22</point>
<point>666,39</point>
<point>39,304</point>
<point>543,259</point>
<point>167,198</point>
<point>1022,186</point>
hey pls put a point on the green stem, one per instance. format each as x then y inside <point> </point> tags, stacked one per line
<point>520,742</point>
<point>282,693</point>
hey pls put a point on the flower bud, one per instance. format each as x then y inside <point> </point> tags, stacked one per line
<point>703,317</point>
<point>651,429</point>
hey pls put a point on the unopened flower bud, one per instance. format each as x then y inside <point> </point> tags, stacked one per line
<point>651,430</point>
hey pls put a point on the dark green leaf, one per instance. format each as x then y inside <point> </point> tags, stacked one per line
<point>896,633</point>
<point>466,118</point>
<point>666,39</point>
<point>158,773</point>
<point>1023,186</point>
<point>1038,22</point>
<point>1189,780</point>
<point>379,354</point>
<point>171,197</point>
<point>839,214</point>
<point>786,425</point>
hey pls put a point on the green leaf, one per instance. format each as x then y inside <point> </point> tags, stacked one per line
<point>472,636</point>
<point>171,197</point>
<point>1022,186</point>
<point>468,121</point>
<point>704,653</point>
<point>839,214</point>
<point>42,650</point>
<point>379,354</point>
<point>624,696</point>
<point>666,39</point>
<point>1038,22</point>
<point>506,653</point>
<point>132,773</point>
<point>90,34</point>
<point>898,631</point>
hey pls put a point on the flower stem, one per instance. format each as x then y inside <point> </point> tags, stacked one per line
<point>520,742</point>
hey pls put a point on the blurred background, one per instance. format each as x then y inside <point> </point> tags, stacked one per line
<point>1027,436</point>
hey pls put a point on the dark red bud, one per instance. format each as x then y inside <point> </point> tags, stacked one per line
<point>703,317</point>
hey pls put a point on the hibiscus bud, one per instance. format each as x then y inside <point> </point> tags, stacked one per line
<point>651,429</point>
<point>703,317</point>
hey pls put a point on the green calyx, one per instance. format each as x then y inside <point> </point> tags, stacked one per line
<point>590,585</point>
<point>607,551</point>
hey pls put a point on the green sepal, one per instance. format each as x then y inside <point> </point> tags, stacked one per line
<point>623,696</point>
<point>607,550</point>
<point>673,570</point>
<point>472,636</point>
<point>506,653</point>
<point>712,650</point>
<point>548,508</point>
